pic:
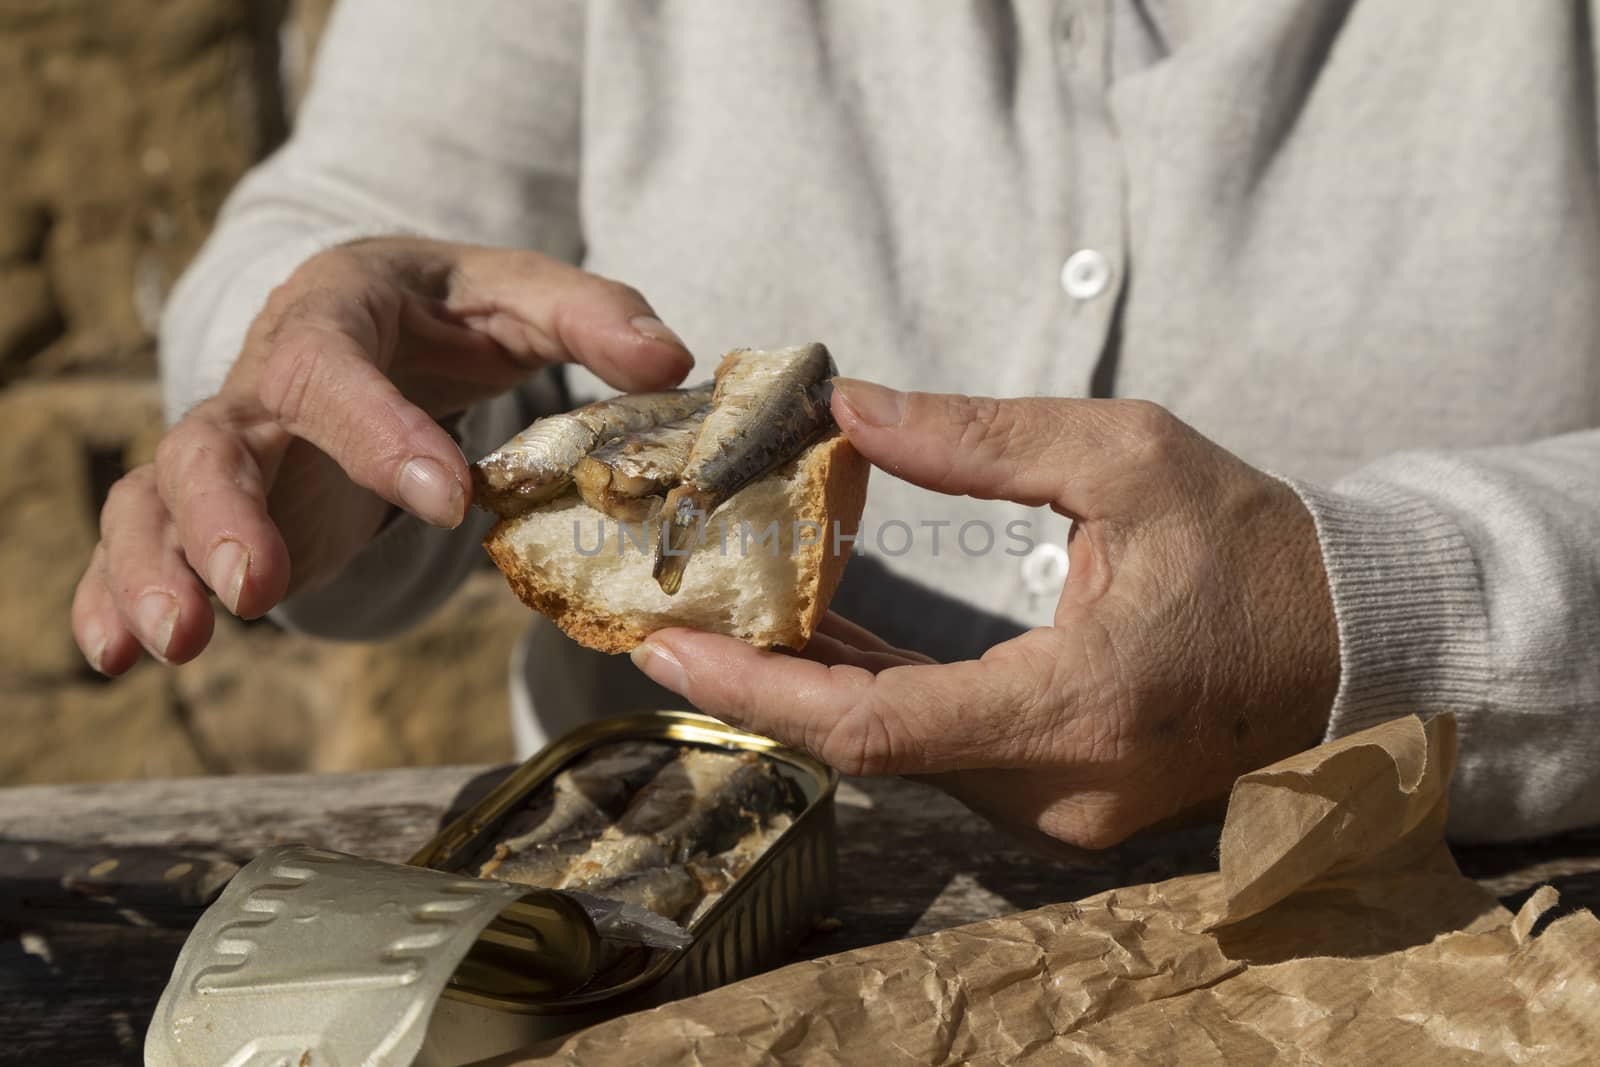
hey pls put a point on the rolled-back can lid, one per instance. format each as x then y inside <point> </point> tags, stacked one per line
<point>320,957</point>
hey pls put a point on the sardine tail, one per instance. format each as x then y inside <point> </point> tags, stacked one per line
<point>683,517</point>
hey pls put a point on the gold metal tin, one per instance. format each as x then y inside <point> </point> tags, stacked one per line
<point>756,925</point>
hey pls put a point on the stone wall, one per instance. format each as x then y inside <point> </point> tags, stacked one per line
<point>123,124</point>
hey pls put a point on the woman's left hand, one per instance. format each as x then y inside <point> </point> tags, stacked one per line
<point>1194,639</point>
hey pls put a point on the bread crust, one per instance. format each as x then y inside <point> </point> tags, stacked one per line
<point>834,490</point>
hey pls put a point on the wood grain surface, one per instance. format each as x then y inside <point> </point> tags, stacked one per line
<point>911,861</point>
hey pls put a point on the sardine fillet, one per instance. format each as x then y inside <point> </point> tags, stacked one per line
<point>627,476</point>
<point>668,891</point>
<point>536,465</point>
<point>686,891</point>
<point>768,408</point>
<point>701,802</point>
<point>716,874</point>
<point>537,843</point>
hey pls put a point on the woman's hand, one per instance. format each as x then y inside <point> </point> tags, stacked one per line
<point>1194,639</point>
<point>329,417</point>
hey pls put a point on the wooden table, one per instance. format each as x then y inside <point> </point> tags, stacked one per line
<point>911,861</point>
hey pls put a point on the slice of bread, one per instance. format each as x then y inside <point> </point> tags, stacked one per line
<point>772,559</point>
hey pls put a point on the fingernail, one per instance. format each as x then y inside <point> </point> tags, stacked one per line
<point>94,645</point>
<point>226,568</point>
<point>873,404</point>
<point>655,329</point>
<point>157,614</point>
<point>660,665</point>
<point>428,491</point>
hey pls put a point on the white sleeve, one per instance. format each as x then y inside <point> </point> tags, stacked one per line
<point>1469,582</point>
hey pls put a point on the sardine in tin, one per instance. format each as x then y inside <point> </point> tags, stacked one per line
<point>485,966</point>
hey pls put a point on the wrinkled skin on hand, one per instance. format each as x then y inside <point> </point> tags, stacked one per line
<point>328,420</point>
<point>1194,639</point>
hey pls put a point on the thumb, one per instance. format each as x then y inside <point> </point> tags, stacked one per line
<point>909,719</point>
<point>1034,451</point>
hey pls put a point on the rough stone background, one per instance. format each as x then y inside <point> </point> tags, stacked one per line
<point>123,124</point>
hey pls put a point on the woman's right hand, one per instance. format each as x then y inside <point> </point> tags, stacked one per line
<point>329,417</point>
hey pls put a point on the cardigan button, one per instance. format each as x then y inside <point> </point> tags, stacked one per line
<point>1085,274</point>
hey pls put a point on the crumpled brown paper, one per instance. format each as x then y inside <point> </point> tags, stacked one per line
<point>1338,930</point>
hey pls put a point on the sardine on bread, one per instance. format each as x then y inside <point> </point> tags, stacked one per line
<point>730,507</point>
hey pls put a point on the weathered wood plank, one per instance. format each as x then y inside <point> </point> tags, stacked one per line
<point>384,814</point>
<point>911,860</point>
<point>80,993</point>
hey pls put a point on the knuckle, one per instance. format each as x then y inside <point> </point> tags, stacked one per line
<point>527,261</point>
<point>128,491</point>
<point>350,255</point>
<point>354,256</point>
<point>623,293</point>
<point>339,288</point>
<point>989,427</point>
<point>1146,418</point>
<point>178,445</point>
<point>287,303</point>
<point>126,510</point>
<point>85,590</point>
<point>480,272</point>
<point>171,448</point>
<point>858,743</point>
<point>1152,431</point>
<point>607,290</point>
<point>192,462</point>
<point>287,378</point>
<point>977,414</point>
<point>284,296</point>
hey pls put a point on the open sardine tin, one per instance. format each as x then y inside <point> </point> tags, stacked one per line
<point>315,957</point>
